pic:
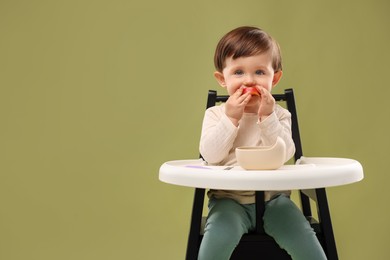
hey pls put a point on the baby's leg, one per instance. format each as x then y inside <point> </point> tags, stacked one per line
<point>285,222</point>
<point>226,223</point>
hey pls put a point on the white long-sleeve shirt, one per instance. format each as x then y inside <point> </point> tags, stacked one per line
<point>220,137</point>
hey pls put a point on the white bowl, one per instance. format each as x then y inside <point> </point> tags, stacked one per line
<point>262,157</point>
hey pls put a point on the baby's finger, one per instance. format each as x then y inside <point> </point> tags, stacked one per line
<point>247,98</point>
<point>238,92</point>
<point>265,94</point>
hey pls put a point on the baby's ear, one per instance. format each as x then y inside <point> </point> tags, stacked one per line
<point>220,78</point>
<point>277,77</point>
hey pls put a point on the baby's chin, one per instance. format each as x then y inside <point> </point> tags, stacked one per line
<point>253,105</point>
<point>254,99</point>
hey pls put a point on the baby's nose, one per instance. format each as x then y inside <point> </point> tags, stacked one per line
<point>249,81</point>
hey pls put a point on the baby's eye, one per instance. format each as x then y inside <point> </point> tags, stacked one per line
<point>260,72</point>
<point>238,72</point>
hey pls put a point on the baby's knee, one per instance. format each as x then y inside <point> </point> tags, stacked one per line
<point>282,207</point>
<point>225,228</point>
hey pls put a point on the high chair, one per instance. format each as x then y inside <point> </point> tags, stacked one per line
<point>258,245</point>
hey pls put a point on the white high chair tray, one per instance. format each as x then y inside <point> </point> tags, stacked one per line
<point>307,173</point>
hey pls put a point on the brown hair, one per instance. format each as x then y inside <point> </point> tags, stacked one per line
<point>244,42</point>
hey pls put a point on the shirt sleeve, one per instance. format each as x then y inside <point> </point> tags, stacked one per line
<point>218,135</point>
<point>278,124</point>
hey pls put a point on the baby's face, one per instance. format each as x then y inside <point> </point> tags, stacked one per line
<point>254,71</point>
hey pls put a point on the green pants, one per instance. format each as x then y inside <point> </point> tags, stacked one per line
<point>283,220</point>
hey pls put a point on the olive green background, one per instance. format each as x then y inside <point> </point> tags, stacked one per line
<point>96,95</point>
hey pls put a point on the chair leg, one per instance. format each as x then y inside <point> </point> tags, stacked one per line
<point>326,225</point>
<point>196,220</point>
<point>260,208</point>
<point>305,203</point>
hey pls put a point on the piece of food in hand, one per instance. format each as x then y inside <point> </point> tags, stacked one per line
<point>253,91</point>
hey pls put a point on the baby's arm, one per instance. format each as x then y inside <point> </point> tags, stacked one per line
<point>235,105</point>
<point>267,104</point>
<point>218,135</point>
<point>278,124</point>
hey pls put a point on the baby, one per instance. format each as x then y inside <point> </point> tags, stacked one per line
<point>248,64</point>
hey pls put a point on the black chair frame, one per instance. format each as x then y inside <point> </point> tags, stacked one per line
<point>259,243</point>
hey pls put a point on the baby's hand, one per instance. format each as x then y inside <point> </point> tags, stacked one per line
<point>235,105</point>
<point>267,104</point>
